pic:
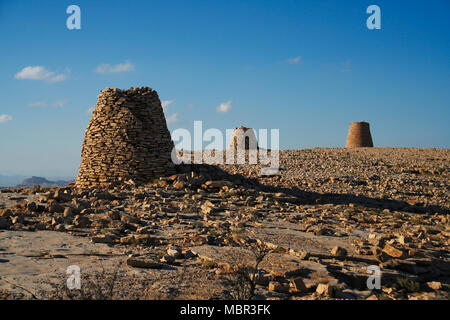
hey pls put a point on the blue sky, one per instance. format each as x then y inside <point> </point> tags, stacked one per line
<point>308,68</point>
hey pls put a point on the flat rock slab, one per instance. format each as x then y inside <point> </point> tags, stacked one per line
<point>36,260</point>
<point>277,264</point>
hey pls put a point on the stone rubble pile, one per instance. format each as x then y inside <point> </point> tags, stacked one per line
<point>127,139</point>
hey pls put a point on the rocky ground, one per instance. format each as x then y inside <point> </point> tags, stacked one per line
<point>316,226</point>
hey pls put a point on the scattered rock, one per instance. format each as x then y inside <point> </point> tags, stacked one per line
<point>6,213</point>
<point>325,289</point>
<point>174,251</point>
<point>81,221</point>
<point>275,286</point>
<point>218,184</point>
<point>394,252</point>
<point>339,252</point>
<point>68,212</point>
<point>60,227</point>
<point>167,259</point>
<point>60,196</point>
<point>145,263</point>
<point>299,285</point>
<point>106,238</point>
<point>4,224</point>
<point>55,207</point>
<point>435,285</point>
<point>114,215</point>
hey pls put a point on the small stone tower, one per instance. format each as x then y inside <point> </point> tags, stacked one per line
<point>359,135</point>
<point>244,139</point>
<point>127,138</point>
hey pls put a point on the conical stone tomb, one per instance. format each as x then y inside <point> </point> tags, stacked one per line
<point>127,138</point>
<point>243,138</point>
<point>359,135</point>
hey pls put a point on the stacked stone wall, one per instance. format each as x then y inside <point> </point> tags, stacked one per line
<point>127,138</point>
<point>359,135</point>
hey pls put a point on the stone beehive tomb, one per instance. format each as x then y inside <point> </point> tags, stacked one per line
<point>359,135</point>
<point>127,138</point>
<point>243,139</point>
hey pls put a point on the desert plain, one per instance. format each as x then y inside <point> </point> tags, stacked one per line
<point>312,231</point>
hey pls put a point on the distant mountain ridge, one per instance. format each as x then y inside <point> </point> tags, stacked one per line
<point>30,182</point>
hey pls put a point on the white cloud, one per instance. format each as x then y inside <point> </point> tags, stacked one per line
<point>90,110</point>
<point>39,73</point>
<point>5,118</point>
<point>294,60</point>
<point>33,73</point>
<point>59,103</point>
<point>165,104</point>
<point>57,78</point>
<point>172,118</point>
<point>56,104</point>
<point>120,67</point>
<point>224,107</point>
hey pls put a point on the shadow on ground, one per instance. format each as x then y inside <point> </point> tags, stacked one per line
<point>212,172</point>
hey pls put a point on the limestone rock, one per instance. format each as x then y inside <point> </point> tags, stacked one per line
<point>299,285</point>
<point>6,213</point>
<point>276,286</point>
<point>435,285</point>
<point>174,251</point>
<point>106,238</point>
<point>394,252</point>
<point>339,252</point>
<point>325,289</point>
<point>144,263</point>
<point>81,222</point>
<point>68,212</point>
